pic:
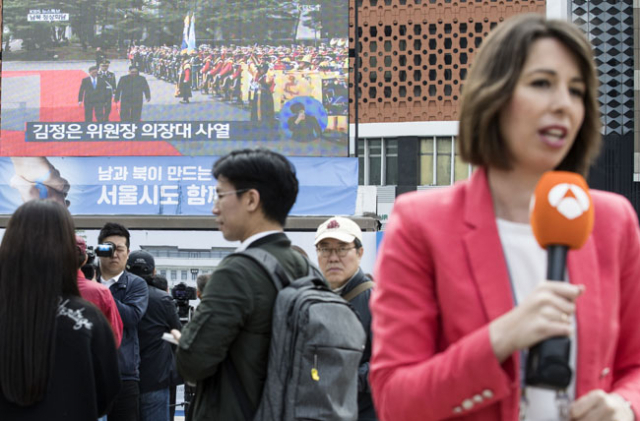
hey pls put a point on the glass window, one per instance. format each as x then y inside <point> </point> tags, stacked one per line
<point>391,157</point>
<point>443,161</point>
<point>183,275</point>
<point>461,169</point>
<point>426,162</point>
<point>375,162</point>
<point>174,275</point>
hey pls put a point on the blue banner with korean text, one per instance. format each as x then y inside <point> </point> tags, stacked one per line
<point>161,185</point>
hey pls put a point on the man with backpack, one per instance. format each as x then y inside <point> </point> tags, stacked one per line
<point>339,246</point>
<point>225,349</point>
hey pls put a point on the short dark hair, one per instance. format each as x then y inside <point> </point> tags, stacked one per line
<point>357,243</point>
<point>113,228</point>
<point>202,280</point>
<point>92,68</point>
<point>105,62</point>
<point>297,107</point>
<point>133,68</point>
<point>492,79</point>
<point>270,173</point>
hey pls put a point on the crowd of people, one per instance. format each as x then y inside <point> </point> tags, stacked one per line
<point>460,293</point>
<point>218,71</point>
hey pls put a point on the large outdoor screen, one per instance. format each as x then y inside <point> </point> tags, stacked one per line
<point>169,78</point>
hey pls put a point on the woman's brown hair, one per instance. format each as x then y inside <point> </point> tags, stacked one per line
<point>492,80</point>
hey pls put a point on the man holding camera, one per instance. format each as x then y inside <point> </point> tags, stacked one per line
<point>156,357</point>
<point>98,294</point>
<point>131,295</point>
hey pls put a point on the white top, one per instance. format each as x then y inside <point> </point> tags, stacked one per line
<point>246,243</point>
<point>527,264</point>
<point>109,282</point>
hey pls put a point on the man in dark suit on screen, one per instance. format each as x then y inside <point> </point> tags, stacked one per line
<point>110,81</point>
<point>92,93</point>
<point>130,91</point>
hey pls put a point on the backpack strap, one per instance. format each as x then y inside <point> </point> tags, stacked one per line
<point>270,264</point>
<point>365,286</point>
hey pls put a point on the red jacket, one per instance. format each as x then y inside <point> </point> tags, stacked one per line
<point>441,277</point>
<point>100,295</point>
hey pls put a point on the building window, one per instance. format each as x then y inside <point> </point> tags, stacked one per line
<point>183,275</point>
<point>440,162</point>
<point>377,162</point>
<point>174,275</point>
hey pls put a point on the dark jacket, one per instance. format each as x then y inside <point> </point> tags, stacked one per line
<point>131,89</point>
<point>110,80</point>
<point>366,411</point>
<point>131,295</point>
<point>156,357</point>
<point>84,378</point>
<point>233,321</point>
<point>89,95</point>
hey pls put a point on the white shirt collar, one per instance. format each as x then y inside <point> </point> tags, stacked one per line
<point>246,243</point>
<point>111,281</point>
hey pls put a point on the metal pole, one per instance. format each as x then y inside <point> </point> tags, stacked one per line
<point>356,76</point>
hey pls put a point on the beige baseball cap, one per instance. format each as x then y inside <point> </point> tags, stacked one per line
<point>340,228</point>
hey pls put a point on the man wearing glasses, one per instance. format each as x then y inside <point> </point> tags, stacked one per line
<point>131,295</point>
<point>339,246</point>
<point>225,346</point>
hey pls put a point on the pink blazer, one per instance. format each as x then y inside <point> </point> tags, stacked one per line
<point>441,278</point>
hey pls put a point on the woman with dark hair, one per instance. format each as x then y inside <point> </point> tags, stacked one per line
<point>461,292</point>
<point>58,352</point>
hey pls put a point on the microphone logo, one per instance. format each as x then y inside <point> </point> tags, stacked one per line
<point>569,200</point>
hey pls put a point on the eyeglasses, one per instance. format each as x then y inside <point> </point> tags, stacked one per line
<point>340,251</point>
<point>217,195</point>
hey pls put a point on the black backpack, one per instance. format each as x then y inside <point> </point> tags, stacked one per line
<point>317,342</point>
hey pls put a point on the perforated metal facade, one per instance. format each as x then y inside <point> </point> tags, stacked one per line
<point>414,54</point>
<point>609,25</point>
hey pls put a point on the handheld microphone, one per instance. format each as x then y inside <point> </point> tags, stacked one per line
<point>562,219</point>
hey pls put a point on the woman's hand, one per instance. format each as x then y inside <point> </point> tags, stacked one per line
<point>546,313</point>
<point>598,405</point>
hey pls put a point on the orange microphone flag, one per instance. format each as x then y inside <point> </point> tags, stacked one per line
<point>562,210</point>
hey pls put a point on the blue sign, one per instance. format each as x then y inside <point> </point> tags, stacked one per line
<point>161,185</point>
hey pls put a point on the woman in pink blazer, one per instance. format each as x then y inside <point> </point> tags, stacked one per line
<point>454,305</point>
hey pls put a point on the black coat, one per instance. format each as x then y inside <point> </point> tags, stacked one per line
<point>84,380</point>
<point>132,88</point>
<point>88,94</point>
<point>110,80</point>
<point>366,411</point>
<point>156,357</point>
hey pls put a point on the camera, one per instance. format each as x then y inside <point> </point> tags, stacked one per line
<point>106,249</point>
<point>90,269</point>
<point>181,294</point>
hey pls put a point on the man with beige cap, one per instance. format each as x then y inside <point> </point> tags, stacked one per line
<point>339,247</point>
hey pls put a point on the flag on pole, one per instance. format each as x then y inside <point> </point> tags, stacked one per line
<point>185,35</point>
<point>191,40</point>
